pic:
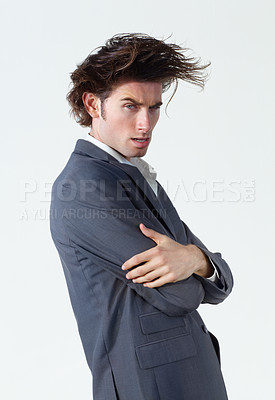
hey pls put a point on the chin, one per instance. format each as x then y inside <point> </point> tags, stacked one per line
<point>141,153</point>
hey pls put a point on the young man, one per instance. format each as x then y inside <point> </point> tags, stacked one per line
<point>135,272</point>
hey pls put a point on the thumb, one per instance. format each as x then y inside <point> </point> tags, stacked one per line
<point>154,235</point>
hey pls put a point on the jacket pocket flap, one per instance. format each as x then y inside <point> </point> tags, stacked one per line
<point>165,351</point>
<point>156,322</point>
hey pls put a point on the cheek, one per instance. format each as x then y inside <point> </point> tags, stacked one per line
<point>113,122</point>
<point>120,119</point>
<point>155,119</point>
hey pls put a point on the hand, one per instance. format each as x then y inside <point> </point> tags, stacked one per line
<point>169,261</point>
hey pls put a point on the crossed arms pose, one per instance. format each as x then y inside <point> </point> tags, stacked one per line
<point>136,274</point>
<point>168,262</point>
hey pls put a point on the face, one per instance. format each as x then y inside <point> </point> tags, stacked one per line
<point>129,116</point>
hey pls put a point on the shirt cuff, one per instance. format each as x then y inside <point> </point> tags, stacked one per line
<point>215,276</point>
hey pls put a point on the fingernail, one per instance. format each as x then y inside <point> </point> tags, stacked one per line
<point>122,267</point>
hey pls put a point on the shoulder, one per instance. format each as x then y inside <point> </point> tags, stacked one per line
<point>87,181</point>
<point>82,168</point>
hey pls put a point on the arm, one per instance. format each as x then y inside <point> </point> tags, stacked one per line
<point>171,261</point>
<point>110,234</point>
<point>217,291</point>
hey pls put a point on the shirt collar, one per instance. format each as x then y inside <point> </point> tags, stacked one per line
<point>146,169</point>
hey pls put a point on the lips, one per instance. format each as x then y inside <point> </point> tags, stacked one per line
<point>141,142</point>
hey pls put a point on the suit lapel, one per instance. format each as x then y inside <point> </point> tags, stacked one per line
<point>154,203</point>
<point>159,205</point>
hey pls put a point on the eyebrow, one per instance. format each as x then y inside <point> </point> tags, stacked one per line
<point>158,104</point>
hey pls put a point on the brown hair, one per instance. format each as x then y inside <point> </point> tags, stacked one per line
<point>135,56</point>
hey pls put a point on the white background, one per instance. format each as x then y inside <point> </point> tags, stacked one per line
<point>212,141</point>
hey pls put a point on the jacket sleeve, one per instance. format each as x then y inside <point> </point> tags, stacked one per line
<point>108,231</point>
<point>215,292</point>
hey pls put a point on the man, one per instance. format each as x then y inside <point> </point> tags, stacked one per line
<point>135,272</point>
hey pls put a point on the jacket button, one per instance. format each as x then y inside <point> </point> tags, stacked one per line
<point>205,330</point>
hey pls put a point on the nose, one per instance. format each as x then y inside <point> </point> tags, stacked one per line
<point>144,121</point>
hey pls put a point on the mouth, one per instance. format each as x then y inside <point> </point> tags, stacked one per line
<point>141,142</point>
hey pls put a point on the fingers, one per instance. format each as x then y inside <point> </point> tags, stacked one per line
<point>155,277</point>
<point>158,282</point>
<point>150,276</point>
<point>143,270</point>
<point>154,235</point>
<point>138,259</point>
<point>147,254</point>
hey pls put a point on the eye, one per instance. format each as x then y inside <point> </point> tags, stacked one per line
<point>130,106</point>
<point>154,108</point>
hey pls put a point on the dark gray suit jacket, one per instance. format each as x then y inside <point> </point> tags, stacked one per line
<point>140,343</point>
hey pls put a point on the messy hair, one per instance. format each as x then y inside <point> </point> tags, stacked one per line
<point>134,56</point>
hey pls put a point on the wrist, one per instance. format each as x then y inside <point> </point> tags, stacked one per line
<point>203,265</point>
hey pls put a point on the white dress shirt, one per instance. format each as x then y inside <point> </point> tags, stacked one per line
<point>147,171</point>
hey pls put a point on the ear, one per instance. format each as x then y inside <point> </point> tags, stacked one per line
<point>92,104</point>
